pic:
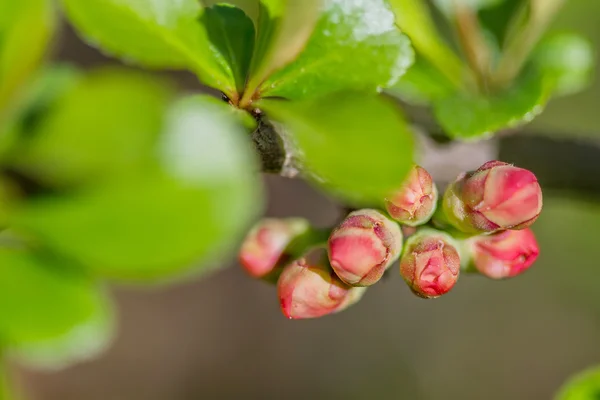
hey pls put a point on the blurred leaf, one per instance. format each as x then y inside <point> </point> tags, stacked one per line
<point>568,60</point>
<point>106,125</point>
<point>192,208</point>
<point>36,100</point>
<point>583,386</point>
<point>356,45</point>
<point>471,116</point>
<point>357,145</point>
<point>284,26</point>
<point>422,84</point>
<point>498,20</point>
<point>49,314</point>
<point>562,64</point>
<point>413,17</point>
<point>26,27</point>
<point>232,33</point>
<point>449,6</point>
<point>153,33</point>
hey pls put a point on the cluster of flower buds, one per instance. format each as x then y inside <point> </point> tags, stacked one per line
<point>481,225</point>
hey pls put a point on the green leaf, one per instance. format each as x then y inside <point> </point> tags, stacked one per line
<point>567,59</point>
<point>356,45</point>
<point>232,33</point>
<point>422,84</point>
<point>448,7</point>
<point>469,116</point>
<point>583,386</point>
<point>250,7</point>
<point>153,33</point>
<point>413,17</point>
<point>192,207</point>
<point>33,105</point>
<point>105,125</point>
<point>49,314</point>
<point>26,27</point>
<point>561,64</point>
<point>357,145</point>
<point>284,26</point>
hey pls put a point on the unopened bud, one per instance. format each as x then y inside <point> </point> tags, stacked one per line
<point>363,246</point>
<point>505,254</point>
<point>497,196</point>
<point>415,202</point>
<point>430,263</point>
<point>264,248</point>
<point>309,288</point>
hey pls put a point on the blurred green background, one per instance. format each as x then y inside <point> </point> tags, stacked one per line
<point>224,338</point>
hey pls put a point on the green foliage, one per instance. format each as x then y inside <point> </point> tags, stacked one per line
<point>470,116</point>
<point>284,26</point>
<point>355,45</point>
<point>106,124</point>
<point>330,133</point>
<point>25,30</point>
<point>232,33</point>
<point>560,64</point>
<point>567,60</point>
<point>50,314</point>
<point>449,6</point>
<point>163,33</point>
<point>583,386</point>
<point>108,178</point>
<point>190,205</point>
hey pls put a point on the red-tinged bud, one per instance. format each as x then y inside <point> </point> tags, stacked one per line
<point>363,246</point>
<point>497,196</point>
<point>265,246</point>
<point>430,263</point>
<point>308,288</point>
<point>505,254</point>
<point>415,202</point>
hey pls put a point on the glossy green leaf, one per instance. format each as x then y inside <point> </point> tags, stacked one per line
<point>469,116</point>
<point>357,145</point>
<point>567,59</point>
<point>153,33</point>
<point>583,386</point>
<point>26,27</point>
<point>422,84</point>
<point>50,314</point>
<point>190,208</point>
<point>284,26</point>
<point>355,45</point>
<point>105,125</point>
<point>231,32</point>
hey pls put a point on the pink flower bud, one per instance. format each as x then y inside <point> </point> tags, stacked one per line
<point>363,246</point>
<point>308,288</point>
<point>265,245</point>
<point>430,263</point>
<point>497,196</point>
<point>505,254</point>
<point>415,202</point>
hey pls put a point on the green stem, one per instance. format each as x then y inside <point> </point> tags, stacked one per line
<point>523,40</point>
<point>473,43</point>
<point>413,18</point>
